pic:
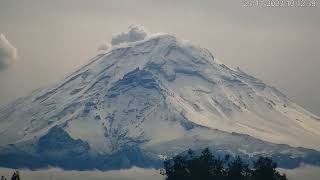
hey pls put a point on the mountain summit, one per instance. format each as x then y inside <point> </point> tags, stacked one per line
<point>152,96</point>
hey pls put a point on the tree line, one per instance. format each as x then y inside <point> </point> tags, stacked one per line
<point>208,167</point>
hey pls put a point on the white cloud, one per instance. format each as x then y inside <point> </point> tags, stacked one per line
<point>54,173</point>
<point>103,47</point>
<point>8,52</point>
<point>134,33</point>
<point>305,172</point>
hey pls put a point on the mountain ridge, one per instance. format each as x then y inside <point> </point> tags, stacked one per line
<point>159,91</point>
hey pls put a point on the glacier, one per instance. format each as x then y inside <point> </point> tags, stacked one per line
<point>152,96</point>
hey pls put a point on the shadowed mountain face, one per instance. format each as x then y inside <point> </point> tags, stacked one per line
<point>141,101</point>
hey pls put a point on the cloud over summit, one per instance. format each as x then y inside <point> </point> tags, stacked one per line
<point>8,52</point>
<point>134,33</point>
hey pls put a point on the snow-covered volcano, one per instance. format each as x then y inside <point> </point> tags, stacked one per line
<point>151,96</point>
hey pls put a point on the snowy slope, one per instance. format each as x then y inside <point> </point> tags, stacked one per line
<point>162,95</point>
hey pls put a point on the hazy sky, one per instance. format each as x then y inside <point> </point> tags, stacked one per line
<point>52,37</point>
